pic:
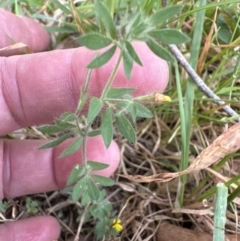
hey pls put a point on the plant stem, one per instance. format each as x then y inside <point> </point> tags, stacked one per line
<point>83,94</point>
<point>200,83</point>
<point>220,213</point>
<point>111,78</point>
<point>189,102</point>
<point>179,200</point>
<point>84,145</point>
<point>82,221</point>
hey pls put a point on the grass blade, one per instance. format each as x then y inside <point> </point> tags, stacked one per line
<point>220,213</point>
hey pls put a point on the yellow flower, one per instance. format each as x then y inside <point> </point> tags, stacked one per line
<point>117,225</point>
<point>160,98</point>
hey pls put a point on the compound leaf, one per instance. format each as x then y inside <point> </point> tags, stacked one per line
<point>164,14</point>
<point>142,111</point>
<point>50,129</point>
<point>79,188</point>
<point>107,20</point>
<point>115,93</point>
<point>132,52</point>
<point>94,41</point>
<point>102,59</point>
<point>73,147</point>
<point>94,108</point>
<point>93,190</point>
<point>104,181</point>
<point>126,128</point>
<point>68,116</point>
<point>127,63</point>
<point>56,141</point>
<point>75,174</point>
<point>169,36</point>
<point>159,50</point>
<point>97,165</point>
<point>107,127</point>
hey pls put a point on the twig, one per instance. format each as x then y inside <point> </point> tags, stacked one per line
<point>200,83</point>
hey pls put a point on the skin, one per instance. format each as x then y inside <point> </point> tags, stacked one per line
<point>36,88</point>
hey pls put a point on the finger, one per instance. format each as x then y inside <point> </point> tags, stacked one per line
<point>38,87</point>
<point>15,29</point>
<point>26,170</point>
<point>32,229</point>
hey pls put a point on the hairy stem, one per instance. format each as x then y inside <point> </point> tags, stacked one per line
<point>84,145</point>
<point>111,78</point>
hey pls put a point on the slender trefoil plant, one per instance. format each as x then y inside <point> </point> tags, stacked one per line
<point>115,105</point>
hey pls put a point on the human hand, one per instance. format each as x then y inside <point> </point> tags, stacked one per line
<point>36,88</point>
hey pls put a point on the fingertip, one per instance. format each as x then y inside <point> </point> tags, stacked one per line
<point>37,228</point>
<point>40,39</point>
<point>110,156</point>
<point>20,29</point>
<point>154,71</point>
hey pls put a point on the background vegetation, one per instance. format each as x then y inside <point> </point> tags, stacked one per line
<point>168,142</point>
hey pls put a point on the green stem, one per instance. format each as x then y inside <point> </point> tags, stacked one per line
<point>84,145</point>
<point>83,94</point>
<point>188,104</point>
<point>111,78</point>
<point>220,213</point>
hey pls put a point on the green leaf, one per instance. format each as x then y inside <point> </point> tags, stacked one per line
<point>142,111</point>
<point>66,28</point>
<point>164,14</point>
<point>127,63</point>
<point>50,129</point>
<point>135,20</point>
<point>233,195</point>
<point>57,141</point>
<point>126,128</point>
<point>103,58</point>
<point>226,90</point>
<point>169,36</point>
<point>159,50</point>
<point>79,188</point>
<point>115,93</point>
<point>132,52</point>
<point>6,3</point>
<point>97,165</point>
<point>92,190</point>
<point>94,41</point>
<point>62,7</point>
<point>68,116</point>
<point>94,108</point>
<point>94,133</point>
<point>97,12</point>
<point>104,181</point>
<point>64,124</point>
<point>224,32</point>
<point>133,112</point>
<point>75,174</point>
<point>107,127</point>
<point>107,20</point>
<point>100,229</point>
<point>85,199</point>
<point>73,147</point>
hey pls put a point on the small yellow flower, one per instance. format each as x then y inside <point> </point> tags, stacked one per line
<point>160,98</point>
<point>117,225</point>
<point>156,97</point>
